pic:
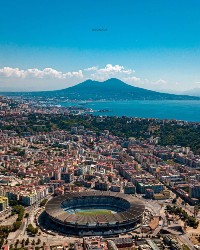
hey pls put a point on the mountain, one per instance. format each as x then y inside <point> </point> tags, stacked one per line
<point>111,89</point>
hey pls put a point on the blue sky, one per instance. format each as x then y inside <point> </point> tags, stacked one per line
<point>153,44</point>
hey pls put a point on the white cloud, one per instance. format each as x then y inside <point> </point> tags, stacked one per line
<point>78,74</point>
<point>11,72</point>
<point>37,73</point>
<point>96,72</point>
<point>161,81</point>
<point>132,79</point>
<point>94,68</point>
<point>108,71</point>
<point>111,69</point>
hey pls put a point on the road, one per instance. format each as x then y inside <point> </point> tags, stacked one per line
<point>158,209</point>
<point>21,232</point>
<point>184,238</point>
<point>153,206</point>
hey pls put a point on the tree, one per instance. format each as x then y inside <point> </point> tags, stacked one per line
<point>174,201</point>
<point>38,241</point>
<point>27,241</point>
<point>26,215</point>
<point>1,243</point>
<point>44,244</point>
<point>31,229</point>
<point>17,225</point>
<point>71,246</point>
<point>23,241</point>
<point>42,203</point>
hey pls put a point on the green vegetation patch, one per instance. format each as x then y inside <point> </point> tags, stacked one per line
<point>185,247</point>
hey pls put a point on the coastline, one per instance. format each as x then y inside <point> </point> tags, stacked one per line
<point>161,109</point>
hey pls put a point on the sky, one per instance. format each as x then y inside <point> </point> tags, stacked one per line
<point>48,44</point>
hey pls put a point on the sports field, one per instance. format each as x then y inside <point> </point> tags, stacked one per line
<point>93,211</point>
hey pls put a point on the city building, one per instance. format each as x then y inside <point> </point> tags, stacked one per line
<point>3,203</point>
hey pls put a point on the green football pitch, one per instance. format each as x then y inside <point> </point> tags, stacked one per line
<point>94,212</point>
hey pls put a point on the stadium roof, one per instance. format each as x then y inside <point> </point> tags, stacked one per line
<point>55,210</point>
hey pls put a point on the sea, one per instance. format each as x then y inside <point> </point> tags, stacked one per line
<point>164,109</point>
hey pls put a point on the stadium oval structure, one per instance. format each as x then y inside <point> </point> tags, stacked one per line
<point>127,212</point>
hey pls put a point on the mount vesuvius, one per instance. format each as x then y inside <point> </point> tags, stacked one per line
<point>111,89</point>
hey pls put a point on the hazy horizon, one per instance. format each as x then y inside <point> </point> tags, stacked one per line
<point>196,93</point>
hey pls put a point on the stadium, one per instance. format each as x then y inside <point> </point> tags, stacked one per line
<point>94,213</point>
